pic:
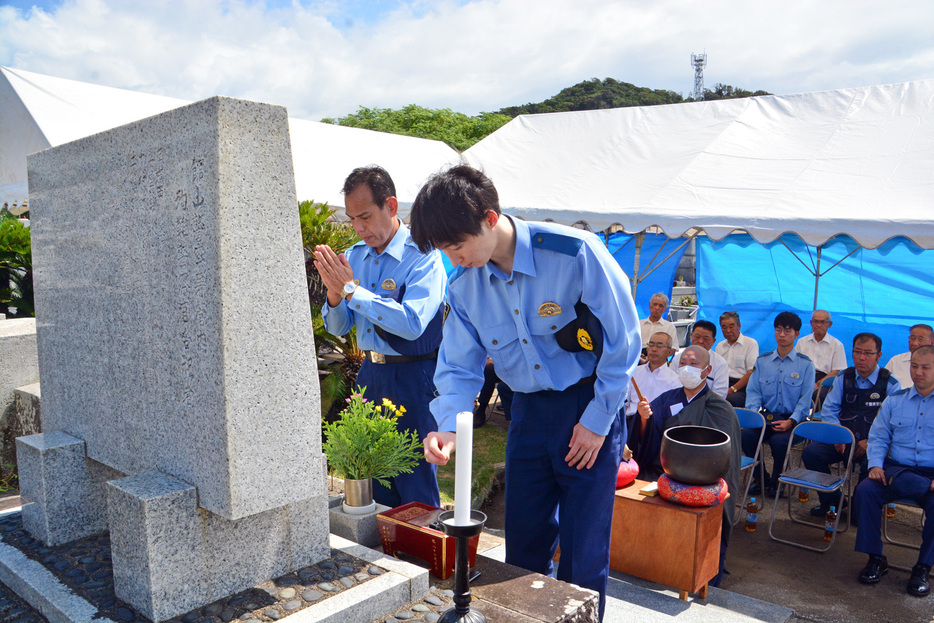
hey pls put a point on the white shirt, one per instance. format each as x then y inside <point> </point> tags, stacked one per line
<point>900,367</point>
<point>650,328</point>
<point>828,354</point>
<point>652,384</point>
<point>740,356</point>
<point>719,378</point>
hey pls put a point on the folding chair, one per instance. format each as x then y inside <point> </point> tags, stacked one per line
<point>816,402</point>
<point>798,477</point>
<point>750,419</point>
<point>892,541</point>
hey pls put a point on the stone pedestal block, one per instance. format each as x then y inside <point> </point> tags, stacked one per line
<point>170,557</point>
<point>62,490</point>
<point>19,365</point>
<point>23,419</point>
<point>360,529</point>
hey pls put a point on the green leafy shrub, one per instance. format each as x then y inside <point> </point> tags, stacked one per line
<point>366,441</point>
<point>16,266</point>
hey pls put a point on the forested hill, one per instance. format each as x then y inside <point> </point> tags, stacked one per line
<point>460,131</point>
<point>594,94</point>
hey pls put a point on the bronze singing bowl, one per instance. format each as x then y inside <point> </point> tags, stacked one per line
<point>695,455</point>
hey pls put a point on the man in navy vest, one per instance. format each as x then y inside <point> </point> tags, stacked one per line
<point>853,401</point>
<point>394,295</point>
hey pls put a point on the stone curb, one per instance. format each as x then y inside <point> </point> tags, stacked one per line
<point>404,583</point>
<point>42,590</point>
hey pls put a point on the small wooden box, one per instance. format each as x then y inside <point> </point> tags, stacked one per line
<point>406,529</point>
<point>674,545</point>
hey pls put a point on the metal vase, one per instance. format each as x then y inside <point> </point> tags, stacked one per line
<point>358,492</point>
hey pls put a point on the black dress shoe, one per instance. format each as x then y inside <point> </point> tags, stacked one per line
<point>874,570</point>
<point>918,584</point>
<point>819,511</point>
<point>755,489</point>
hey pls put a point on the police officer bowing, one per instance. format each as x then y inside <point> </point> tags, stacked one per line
<point>553,309</point>
<point>394,294</point>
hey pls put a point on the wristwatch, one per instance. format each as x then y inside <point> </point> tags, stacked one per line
<point>349,288</point>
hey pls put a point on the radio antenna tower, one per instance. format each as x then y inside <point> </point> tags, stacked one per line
<point>699,61</point>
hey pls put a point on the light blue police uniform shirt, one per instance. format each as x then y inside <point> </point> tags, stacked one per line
<point>903,430</point>
<point>424,278</point>
<point>830,410</point>
<point>782,384</point>
<point>501,315</point>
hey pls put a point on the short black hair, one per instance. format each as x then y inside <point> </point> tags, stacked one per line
<point>705,324</point>
<point>451,206</point>
<point>788,319</point>
<point>862,337</point>
<point>376,179</point>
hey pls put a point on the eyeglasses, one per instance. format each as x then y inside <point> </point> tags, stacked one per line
<point>865,353</point>
<point>783,330</point>
<point>819,321</point>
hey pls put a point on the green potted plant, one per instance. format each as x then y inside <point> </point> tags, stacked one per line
<point>365,444</point>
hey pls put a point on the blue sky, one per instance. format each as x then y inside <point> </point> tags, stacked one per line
<point>326,58</point>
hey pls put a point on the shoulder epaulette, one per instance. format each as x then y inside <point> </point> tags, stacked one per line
<point>768,354</point>
<point>803,356</point>
<point>903,390</point>
<point>568,245</point>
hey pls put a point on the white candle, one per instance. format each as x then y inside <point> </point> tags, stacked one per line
<point>462,471</point>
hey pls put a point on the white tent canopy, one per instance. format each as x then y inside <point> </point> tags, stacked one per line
<point>854,161</point>
<point>38,112</point>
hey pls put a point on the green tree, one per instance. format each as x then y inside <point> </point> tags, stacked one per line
<point>596,94</point>
<point>442,124</point>
<point>15,267</point>
<point>726,92</point>
<point>318,227</point>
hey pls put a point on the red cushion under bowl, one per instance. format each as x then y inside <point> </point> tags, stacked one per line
<point>691,495</point>
<point>628,470</point>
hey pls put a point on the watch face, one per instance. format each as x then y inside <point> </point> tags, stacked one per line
<point>349,288</point>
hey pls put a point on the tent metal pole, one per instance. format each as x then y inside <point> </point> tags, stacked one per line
<point>649,271</point>
<point>640,238</point>
<point>817,277</point>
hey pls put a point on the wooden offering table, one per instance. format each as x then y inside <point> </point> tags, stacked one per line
<point>671,544</point>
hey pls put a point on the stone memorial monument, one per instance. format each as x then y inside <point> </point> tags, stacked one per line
<point>180,398</point>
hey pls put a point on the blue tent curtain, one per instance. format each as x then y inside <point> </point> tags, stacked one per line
<point>882,291</point>
<point>655,248</point>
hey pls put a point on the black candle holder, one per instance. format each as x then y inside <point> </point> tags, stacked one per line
<point>461,612</point>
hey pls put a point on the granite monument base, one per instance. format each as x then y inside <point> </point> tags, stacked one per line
<point>61,489</point>
<point>170,556</point>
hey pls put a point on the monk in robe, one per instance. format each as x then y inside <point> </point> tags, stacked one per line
<point>692,404</point>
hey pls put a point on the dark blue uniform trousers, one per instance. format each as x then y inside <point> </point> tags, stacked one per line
<point>820,456</point>
<point>408,385</point>
<point>871,496</point>
<point>547,501</point>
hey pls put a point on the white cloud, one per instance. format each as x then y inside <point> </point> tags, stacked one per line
<point>320,60</point>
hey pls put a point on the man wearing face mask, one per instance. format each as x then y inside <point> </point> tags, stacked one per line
<point>692,404</point>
